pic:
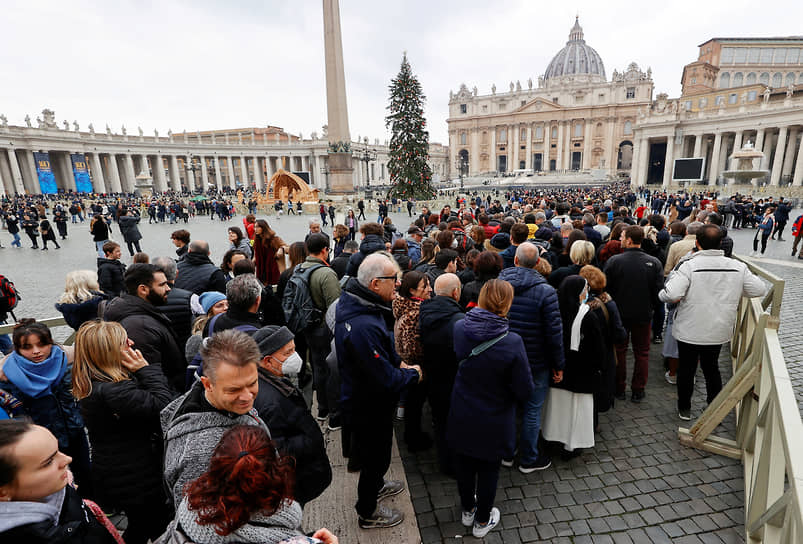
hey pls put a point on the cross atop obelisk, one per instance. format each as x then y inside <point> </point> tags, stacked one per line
<point>340,169</point>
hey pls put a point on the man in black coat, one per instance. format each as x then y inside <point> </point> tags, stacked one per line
<point>111,270</point>
<point>196,272</point>
<point>150,329</point>
<point>781,218</point>
<point>177,308</point>
<point>634,280</point>
<point>341,262</point>
<point>436,322</point>
<point>281,406</point>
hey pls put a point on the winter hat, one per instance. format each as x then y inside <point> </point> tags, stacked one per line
<point>209,299</point>
<point>500,241</point>
<point>271,338</point>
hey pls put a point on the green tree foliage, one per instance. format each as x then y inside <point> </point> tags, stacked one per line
<point>409,172</point>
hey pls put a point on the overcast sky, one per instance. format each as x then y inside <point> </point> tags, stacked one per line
<point>199,64</point>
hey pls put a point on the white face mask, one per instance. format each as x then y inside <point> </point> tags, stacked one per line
<point>292,365</point>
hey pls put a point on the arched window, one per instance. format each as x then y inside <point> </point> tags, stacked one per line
<point>777,79</point>
<point>764,78</point>
<point>628,127</point>
<point>725,80</point>
<point>790,79</point>
<point>738,79</point>
<point>750,79</point>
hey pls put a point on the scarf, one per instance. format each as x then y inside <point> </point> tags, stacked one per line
<point>36,379</point>
<point>576,324</point>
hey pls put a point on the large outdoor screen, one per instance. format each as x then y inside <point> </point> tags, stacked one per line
<point>688,169</point>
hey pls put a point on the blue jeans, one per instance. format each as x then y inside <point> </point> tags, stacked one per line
<point>99,246</point>
<point>16,241</point>
<point>531,423</point>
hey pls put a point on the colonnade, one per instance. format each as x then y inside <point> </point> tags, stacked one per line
<point>781,145</point>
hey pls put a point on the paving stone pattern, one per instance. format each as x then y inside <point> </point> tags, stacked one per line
<point>638,484</point>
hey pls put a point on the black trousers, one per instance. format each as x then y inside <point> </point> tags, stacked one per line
<point>439,396</point>
<point>688,356</point>
<point>372,438</point>
<point>477,477</point>
<point>132,245</point>
<point>146,521</point>
<point>325,380</point>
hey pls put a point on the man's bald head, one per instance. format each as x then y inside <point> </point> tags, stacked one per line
<point>526,255</point>
<point>447,285</point>
<point>199,246</point>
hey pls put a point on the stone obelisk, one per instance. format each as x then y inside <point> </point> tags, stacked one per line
<point>341,179</point>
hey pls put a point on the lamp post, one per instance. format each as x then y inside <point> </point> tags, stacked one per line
<point>462,168</point>
<point>365,155</point>
<point>325,172</point>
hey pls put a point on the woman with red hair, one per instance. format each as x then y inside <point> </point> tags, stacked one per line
<point>244,496</point>
<point>269,252</point>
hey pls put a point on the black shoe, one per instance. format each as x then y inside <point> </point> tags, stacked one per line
<point>335,423</point>
<point>620,396</point>
<point>542,462</point>
<point>322,415</point>
<point>637,396</point>
<point>569,455</point>
<point>658,339</point>
<point>781,239</point>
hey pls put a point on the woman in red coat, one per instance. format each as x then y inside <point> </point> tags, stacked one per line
<point>268,250</point>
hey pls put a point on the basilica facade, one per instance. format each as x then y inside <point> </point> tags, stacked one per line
<point>573,118</point>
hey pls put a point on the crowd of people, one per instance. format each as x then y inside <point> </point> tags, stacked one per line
<point>185,400</point>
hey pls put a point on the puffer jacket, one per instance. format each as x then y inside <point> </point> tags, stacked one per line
<point>152,334</point>
<point>123,423</point>
<point>535,317</point>
<point>78,313</point>
<point>129,228</point>
<point>370,244</point>
<point>110,276</point>
<point>634,279</point>
<point>709,287</point>
<point>487,387</point>
<point>405,331</point>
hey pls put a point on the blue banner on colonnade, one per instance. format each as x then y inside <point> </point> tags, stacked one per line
<point>82,182</point>
<point>47,181</point>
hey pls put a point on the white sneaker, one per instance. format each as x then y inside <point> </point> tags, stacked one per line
<point>482,529</point>
<point>671,379</point>
<point>468,517</point>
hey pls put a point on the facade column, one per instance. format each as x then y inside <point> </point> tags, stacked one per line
<point>528,145</point>
<point>494,161</point>
<point>189,173</point>
<point>175,175</point>
<point>16,174</point>
<point>669,161</point>
<point>634,160</point>
<point>797,180</point>
<point>737,141</point>
<point>713,173</point>
<point>230,172</point>
<point>777,163</point>
<point>644,161</point>
<point>218,174</point>
<point>474,156</point>
<point>516,146</point>
<point>98,182</point>
<point>159,173</point>
<point>789,154</point>
<point>587,145</point>
<point>559,158</point>
<point>509,146</point>
<point>204,174</point>
<point>244,173</point>
<point>143,165</point>
<point>547,146</point>
<point>758,143</point>
<point>115,183</point>
<point>698,145</point>
<point>611,146</point>
<point>3,190</point>
<point>723,154</point>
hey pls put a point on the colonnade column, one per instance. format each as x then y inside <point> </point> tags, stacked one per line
<point>244,173</point>
<point>612,150</point>
<point>669,160</point>
<point>528,147</point>
<point>790,153</point>
<point>218,174</point>
<point>204,174</point>
<point>16,174</point>
<point>509,147</point>
<point>259,174</point>
<point>230,172</point>
<point>159,173</point>
<point>713,173</point>
<point>559,158</point>
<point>777,163</point>
<point>797,180</point>
<point>644,159</point>
<point>765,148</point>
<point>175,176</point>
<point>115,182</point>
<point>494,161</point>
<point>98,182</point>
<point>516,146</point>
<point>698,145</point>
<point>634,160</point>
<point>189,173</point>
<point>723,153</point>
<point>33,182</point>
<point>131,175</point>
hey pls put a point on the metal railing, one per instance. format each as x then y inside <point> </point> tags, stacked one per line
<point>769,429</point>
<point>51,322</point>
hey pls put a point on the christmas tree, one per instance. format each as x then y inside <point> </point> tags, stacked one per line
<point>409,172</point>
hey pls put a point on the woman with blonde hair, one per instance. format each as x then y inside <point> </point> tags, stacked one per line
<point>493,375</point>
<point>581,254</point>
<point>81,298</point>
<point>120,396</point>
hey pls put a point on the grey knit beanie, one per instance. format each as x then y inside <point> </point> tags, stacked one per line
<point>271,338</point>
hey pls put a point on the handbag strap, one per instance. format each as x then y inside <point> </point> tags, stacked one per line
<point>479,348</point>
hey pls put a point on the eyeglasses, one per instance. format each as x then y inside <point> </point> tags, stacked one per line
<point>394,278</point>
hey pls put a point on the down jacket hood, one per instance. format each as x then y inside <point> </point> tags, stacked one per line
<point>371,244</point>
<point>481,325</point>
<point>521,279</point>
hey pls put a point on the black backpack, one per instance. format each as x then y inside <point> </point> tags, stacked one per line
<point>300,311</point>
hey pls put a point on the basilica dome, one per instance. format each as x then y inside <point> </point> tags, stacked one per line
<point>576,59</point>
